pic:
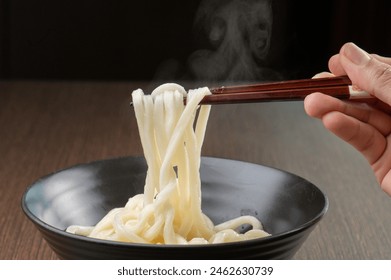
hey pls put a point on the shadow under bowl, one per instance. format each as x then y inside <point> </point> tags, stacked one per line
<point>288,206</point>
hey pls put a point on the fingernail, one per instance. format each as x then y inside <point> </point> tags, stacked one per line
<point>323,75</point>
<point>355,54</point>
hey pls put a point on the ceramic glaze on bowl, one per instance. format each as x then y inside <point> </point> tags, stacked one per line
<point>287,205</point>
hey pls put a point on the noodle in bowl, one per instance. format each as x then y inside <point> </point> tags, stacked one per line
<point>84,207</point>
<point>169,209</point>
<point>289,207</point>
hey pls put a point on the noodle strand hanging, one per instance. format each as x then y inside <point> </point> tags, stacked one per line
<point>169,210</point>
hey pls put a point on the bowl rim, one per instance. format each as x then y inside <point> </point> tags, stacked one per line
<point>274,237</point>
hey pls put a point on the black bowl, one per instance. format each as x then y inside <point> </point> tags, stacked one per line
<point>287,205</point>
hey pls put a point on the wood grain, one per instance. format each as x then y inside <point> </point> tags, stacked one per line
<point>47,126</point>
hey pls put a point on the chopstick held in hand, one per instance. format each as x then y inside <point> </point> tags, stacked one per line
<point>339,87</point>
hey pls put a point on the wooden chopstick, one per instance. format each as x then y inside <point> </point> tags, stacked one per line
<point>292,84</point>
<point>338,87</point>
<point>340,92</point>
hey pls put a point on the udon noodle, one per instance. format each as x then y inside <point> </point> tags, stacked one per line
<point>169,210</point>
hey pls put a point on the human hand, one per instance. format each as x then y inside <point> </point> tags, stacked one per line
<point>366,127</point>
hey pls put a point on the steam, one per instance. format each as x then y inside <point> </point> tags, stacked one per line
<point>234,36</point>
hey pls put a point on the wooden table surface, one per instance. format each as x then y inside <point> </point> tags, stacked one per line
<point>46,126</point>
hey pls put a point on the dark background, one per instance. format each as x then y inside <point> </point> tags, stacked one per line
<point>127,40</point>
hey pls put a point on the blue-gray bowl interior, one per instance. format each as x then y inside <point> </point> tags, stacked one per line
<point>288,206</point>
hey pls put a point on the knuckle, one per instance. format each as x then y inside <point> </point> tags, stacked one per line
<point>382,78</point>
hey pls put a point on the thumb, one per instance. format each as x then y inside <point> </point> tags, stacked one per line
<point>367,72</point>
